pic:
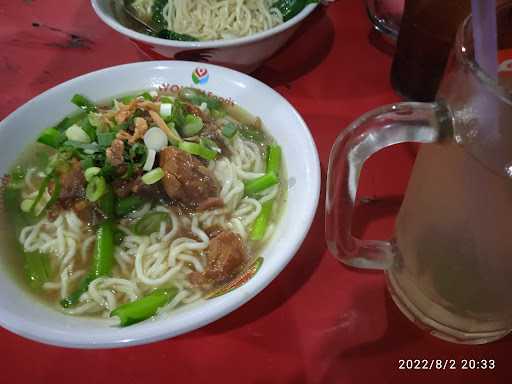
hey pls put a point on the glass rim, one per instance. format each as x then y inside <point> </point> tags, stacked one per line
<point>464,56</point>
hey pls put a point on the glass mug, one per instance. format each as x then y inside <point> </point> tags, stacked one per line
<point>449,264</point>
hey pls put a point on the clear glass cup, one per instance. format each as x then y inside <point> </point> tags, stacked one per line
<point>449,264</point>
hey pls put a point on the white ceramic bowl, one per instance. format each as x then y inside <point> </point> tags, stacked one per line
<point>244,54</point>
<point>24,315</point>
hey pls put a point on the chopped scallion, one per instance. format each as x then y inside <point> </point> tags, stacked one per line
<point>51,137</point>
<point>91,172</point>
<point>96,188</point>
<point>193,125</point>
<point>198,150</point>
<point>153,176</point>
<point>26,205</point>
<point>76,133</point>
<point>105,139</point>
<point>150,160</point>
<point>165,110</point>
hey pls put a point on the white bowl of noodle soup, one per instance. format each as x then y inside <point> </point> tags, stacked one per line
<point>24,315</point>
<point>243,54</point>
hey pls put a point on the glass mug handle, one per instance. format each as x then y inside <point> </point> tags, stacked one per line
<point>375,130</point>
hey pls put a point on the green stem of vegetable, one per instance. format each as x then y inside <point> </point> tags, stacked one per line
<point>261,183</point>
<point>37,269</point>
<point>83,103</point>
<point>51,137</point>
<point>104,250</point>
<point>128,204</point>
<point>274,159</point>
<point>197,149</point>
<point>107,203</point>
<point>260,225</point>
<point>56,191</point>
<point>74,297</point>
<point>102,262</point>
<point>145,307</point>
<point>105,139</point>
<point>68,121</point>
<point>40,192</point>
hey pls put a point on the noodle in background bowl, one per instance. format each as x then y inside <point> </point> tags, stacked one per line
<point>23,314</point>
<point>244,54</point>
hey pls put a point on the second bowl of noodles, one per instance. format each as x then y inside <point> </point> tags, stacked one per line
<point>239,34</point>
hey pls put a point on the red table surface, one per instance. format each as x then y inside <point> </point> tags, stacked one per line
<point>318,322</point>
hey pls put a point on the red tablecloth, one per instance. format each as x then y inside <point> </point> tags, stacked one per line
<point>318,322</point>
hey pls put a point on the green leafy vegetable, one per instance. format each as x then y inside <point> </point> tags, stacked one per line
<point>150,223</point>
<point>178,114</point>
<point>88,128</point>
<point>291,8</point>
<point>105,139</point>
<point>137,154</point>
<point>70,120</point>
<point>157,14</point>
<point>197,97</point>
<point>171,35</point>
<point>252,134</point>
<point>51,137</point>
<point>84,103</point>
<point>88,148</point>
<point>128,204</point>
<point>229,130</point>
<point>37,269</point>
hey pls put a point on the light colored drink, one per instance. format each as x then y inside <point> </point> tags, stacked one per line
<point>455,241</point>
<point>449,264</point>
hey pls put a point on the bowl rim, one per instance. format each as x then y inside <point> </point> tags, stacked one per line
<point>155,41</point>
<point>156,331</point>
